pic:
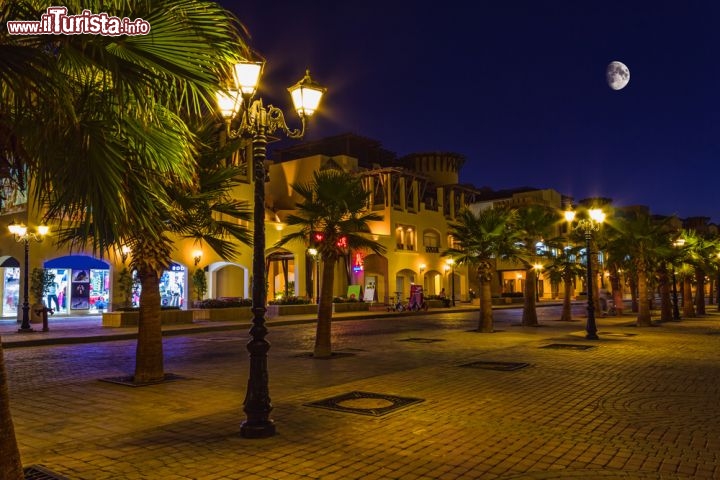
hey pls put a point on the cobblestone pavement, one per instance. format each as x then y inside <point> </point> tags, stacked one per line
<point>640,403</point>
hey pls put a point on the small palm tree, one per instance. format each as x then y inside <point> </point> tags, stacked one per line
<point>334,206</point>
<point>565,267</point>
<point>478,240</point>
<point>533,224</point>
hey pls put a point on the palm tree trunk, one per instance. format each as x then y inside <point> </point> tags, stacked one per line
<point>616,288</point>
<point>529,316</point>
<point>688,307</point>
<point>566,315</point>
<point>149,353</point>
<point>643,318</point>
<point>10,462</point>
<point>486,316</point>
<point>700,291</point>
<point>323,338</point>
<point>665,302</point>
<point>633,293</point>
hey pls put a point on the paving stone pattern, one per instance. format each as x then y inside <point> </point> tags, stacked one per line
<point>641,405</point>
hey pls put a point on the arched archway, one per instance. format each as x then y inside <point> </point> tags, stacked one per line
<point>281,278</point>
<point>403,279</point>
<point>376,270</point>
<point>433,282</point>
<point>227,279</point>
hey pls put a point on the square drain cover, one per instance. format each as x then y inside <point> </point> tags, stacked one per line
<point>128,380</point>
<point>500,366</point>
<point>38,472</point>
<point>569,346</point>
<point>365,403</point>
<point>421,340</point>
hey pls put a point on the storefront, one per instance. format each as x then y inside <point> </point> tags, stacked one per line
<point>10,286</point>
<point>81,285</point>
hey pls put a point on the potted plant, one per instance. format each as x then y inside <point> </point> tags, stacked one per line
<point>40,281</point>
<point>199,283</point>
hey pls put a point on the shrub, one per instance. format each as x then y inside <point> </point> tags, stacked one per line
<point>345,300</point>
<point>290,301</point>
<point>226,302</point>
<point>512,294</point>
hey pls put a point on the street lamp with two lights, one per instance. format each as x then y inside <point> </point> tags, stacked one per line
<point>255,122</point>
<point>588,225</point>
<point>22,234</point>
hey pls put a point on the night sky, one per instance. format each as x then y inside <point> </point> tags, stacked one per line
<point>517,87</point>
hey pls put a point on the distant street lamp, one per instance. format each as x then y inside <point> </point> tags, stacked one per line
<point>256,122</point>
<point>21,234</point>
<point>451,263</point>
<point>677,244</point>
<point>588,225</point>
<point>538,268</point>
<point>316,259</point>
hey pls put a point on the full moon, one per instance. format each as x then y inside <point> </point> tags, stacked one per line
<point>618,75</point>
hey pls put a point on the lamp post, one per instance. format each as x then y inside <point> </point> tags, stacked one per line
<point>588,225</point>
<point>256,122</point>
<point>538,268</point>
<point>316,259</point>
<point>676,308</point>
<point>451,264</point>
<point>21,234</point>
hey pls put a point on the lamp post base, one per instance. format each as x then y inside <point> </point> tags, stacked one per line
<point>592,336</point>
<point>25,330</point>
<point>262,429</point>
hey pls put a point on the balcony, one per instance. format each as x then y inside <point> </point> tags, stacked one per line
<point>429,249</point>
<point>400,246</point>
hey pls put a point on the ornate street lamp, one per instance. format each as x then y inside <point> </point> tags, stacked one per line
<point>316,259</point>
<point>256,122</point>
<point>21,234</point>
<point>538,268</point>
<point>588,225</point>
<point>451,263</point>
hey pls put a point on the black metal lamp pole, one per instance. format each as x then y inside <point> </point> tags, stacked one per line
<point>25,325</point>
<point>21,234</point>
<point>256,122</point>
<point>595,217</point>
<point>590,328</point>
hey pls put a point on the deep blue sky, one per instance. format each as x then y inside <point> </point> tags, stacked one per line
<point>518,87</point>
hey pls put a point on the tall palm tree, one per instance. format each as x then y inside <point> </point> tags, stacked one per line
<point>533,224</point>
<point>98,123</point>
<point>645,239</point>
<point>478,240</point>
<point>334,205</point>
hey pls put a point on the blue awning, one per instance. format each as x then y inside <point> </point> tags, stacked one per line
<point>77,262</point>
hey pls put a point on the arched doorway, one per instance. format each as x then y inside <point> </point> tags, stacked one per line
<point>403,279</point>
<point>228,280</point>
<point>376,272</point>
<point>280,267</point>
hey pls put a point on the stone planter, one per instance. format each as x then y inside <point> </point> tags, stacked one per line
<point>130,319</point>
<point>280,310</point>
<point>351,307</point>
<point>233,314</point>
